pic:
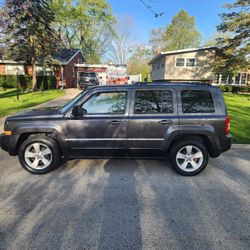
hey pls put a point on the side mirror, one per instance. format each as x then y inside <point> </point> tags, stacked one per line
<point>78,111</point>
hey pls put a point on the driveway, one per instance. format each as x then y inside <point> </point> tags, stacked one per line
<point>126,204</point>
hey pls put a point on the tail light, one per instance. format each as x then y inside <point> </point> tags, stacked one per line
<point>227,125</point>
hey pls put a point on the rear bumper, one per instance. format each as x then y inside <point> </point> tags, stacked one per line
<point>226,144</point>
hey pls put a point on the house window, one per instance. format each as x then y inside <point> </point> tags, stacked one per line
<point>162,62</point>
<point>190,62</point>
<point>180,62</point>
<point>158,65</point>
<point>153,67</point>
<point>243,78</point>
<point>73,71</point>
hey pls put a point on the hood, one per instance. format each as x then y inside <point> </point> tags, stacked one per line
<point>41,113</point>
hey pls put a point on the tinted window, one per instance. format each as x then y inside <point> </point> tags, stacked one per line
<point>106,103</point>
<point>152,101</point>
<point>87,74</point>
<point>197,101</point>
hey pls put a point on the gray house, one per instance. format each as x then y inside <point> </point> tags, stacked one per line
<point>192,65</point>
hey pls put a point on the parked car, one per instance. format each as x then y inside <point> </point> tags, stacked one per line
<point>88,79</point>
<point>186,122</point>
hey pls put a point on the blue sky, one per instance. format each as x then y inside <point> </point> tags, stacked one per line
<point>205,12</point>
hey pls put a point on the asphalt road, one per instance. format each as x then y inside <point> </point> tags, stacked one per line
<point>126,204</point>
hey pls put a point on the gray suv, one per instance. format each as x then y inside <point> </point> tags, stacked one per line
<point>185,122</point>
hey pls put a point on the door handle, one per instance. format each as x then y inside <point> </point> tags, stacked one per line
<point>115,122</point>
<point>165,122</point>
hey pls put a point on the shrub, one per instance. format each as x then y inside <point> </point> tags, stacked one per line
<point>234,89</point>
<point>25,82</point>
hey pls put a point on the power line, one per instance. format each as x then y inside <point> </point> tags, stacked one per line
<point>151,10</point>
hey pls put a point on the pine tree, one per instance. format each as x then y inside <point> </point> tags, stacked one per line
<point>235,49</point>
<point>28,34</point>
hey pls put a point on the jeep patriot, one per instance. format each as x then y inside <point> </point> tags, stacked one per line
<point>186,122</point>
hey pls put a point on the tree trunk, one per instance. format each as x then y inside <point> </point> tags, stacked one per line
<point>34,84</point>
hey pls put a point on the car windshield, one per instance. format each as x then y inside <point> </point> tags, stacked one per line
<point>87,74</point>
<point>71,103</point>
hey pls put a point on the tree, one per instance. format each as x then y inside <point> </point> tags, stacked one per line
<point>121,44</point>
<point>84,24</point>
<point>180,34</point>
<point>216,38</point>
<point>235,49</point>
<point>138,62</point>
<point>27,30</point>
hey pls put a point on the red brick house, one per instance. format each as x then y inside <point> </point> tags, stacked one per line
<point>63,67</point>
<point>65,61</point>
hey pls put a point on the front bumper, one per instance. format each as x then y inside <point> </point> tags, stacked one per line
<point>3,142</point>
<point>9,143</point>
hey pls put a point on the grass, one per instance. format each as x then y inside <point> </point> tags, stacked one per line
<point>238,107</point>
<point>9,103</point>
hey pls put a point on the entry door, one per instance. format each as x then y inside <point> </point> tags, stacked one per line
<point>103,130</point>
<point>153,113</point>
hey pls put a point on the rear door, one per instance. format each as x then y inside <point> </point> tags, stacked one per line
<point>152,113</point>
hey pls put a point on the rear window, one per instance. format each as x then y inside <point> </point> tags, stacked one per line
<point>197,101</point>
<point>153,102</point>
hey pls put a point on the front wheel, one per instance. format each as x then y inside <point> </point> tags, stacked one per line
<point>188,158</point>
<point>39,154</point>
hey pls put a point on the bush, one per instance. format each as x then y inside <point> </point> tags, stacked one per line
<point>234,89</point>
<point>25,82</point>
<point>8,81</point>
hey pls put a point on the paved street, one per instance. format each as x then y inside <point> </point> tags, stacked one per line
<point>126,204</point>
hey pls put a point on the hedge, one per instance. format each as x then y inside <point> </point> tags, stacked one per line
<point>234,89</point>
<point>25,82</point>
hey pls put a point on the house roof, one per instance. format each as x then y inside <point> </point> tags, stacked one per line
<point>64,56</point>
<point>181,51</point>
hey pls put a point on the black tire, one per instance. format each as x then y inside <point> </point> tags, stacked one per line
<point>180,147</point>
<point>43,141</point>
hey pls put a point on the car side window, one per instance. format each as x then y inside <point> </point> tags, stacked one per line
<point>197,101</point>
<point>153,102</point>
<point>106,103</point>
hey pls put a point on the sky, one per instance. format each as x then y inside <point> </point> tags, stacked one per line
<point>205,13</point>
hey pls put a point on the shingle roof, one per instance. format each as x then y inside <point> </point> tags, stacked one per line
<point>64,55</point>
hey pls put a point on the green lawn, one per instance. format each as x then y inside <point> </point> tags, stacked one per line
<point>9,103</point>
<point>238,107</point>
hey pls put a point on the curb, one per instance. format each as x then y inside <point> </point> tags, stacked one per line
<point>241,146</point>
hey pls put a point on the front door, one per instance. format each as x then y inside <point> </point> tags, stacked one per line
<point>153,113</point>
<point>102,131</point>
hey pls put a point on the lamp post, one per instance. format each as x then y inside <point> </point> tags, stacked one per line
<point>17,82</point>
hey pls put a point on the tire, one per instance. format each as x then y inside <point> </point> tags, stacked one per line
<point>39,154</point>
<point>188,157</point>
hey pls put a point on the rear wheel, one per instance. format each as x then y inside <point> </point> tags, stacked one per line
<point>189,157</point>
<point>39,154</point>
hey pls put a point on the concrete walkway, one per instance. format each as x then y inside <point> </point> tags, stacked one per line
<point>60,101</point>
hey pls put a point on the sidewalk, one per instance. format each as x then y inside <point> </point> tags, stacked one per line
<point>60,101</point>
